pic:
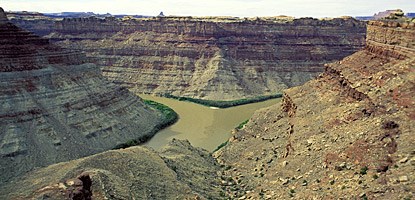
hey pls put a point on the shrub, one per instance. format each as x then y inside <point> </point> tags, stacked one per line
<point>220,146</point>
<point>241,125</point>
<point>224,104</point>
<point>169,117</point>
<point>363,170</point>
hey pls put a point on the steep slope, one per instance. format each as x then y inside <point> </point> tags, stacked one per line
<point>56,107</point>
<point>181,172</point>
<point>209,58</point>
<point>349,133</point>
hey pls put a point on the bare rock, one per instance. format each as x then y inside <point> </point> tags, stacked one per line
<point>403,179</point>
<point>360,150</point>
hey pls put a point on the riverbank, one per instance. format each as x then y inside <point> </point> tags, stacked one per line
<point>169,115</point>
<point>239,127</point>
<point>203,126</point>
<point>224,104</point>
<point>169,118</point>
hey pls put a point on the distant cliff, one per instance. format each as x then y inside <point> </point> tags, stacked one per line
<point>209,58</point>
<point>349,133</point>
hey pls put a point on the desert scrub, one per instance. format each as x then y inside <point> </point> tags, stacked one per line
<point>169,117</point>
<point>363,170</point>
<point>224,104</point>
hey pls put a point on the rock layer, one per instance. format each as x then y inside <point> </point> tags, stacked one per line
<point>349,133</point>
<point>56,107</point>
<point>209,58</point>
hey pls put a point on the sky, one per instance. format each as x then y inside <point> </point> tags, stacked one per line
<point>237,8</point>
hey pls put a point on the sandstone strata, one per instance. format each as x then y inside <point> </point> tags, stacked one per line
<point>209,58</point>
<point>56,107</point>
<point>348,134</point>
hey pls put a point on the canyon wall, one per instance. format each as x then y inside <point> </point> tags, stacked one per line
<point>348,133</point>
<point>208,58</point>
<point>54,106</point>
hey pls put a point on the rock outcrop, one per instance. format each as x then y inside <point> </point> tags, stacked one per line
<point>179,172</point>
<point>209,58</point>
<point>348,133</point>
<point>388,13</point>
<point>54,106</point>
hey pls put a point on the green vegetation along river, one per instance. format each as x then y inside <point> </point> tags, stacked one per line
<point>202,126</point>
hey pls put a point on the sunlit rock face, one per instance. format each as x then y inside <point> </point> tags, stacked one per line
<point>54,106</point>
<point>209,58</point>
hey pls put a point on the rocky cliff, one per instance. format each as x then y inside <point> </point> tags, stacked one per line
<point>209,58</point>
<point>348,133</point>
<point>56,107</point>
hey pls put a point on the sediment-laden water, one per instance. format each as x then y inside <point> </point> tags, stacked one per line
<point>203,126</point>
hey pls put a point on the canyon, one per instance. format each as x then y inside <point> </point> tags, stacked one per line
<point>216,58</point>
<point>347,133</point>
<point>54,106</point>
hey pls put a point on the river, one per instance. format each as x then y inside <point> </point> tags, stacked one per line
<point>202,126</point>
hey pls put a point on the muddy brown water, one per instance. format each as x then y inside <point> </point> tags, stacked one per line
<point>203,126</point>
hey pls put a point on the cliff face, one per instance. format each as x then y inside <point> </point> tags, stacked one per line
<point>348,133</point>
<point>56,107</point>
<point>207,58</point>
